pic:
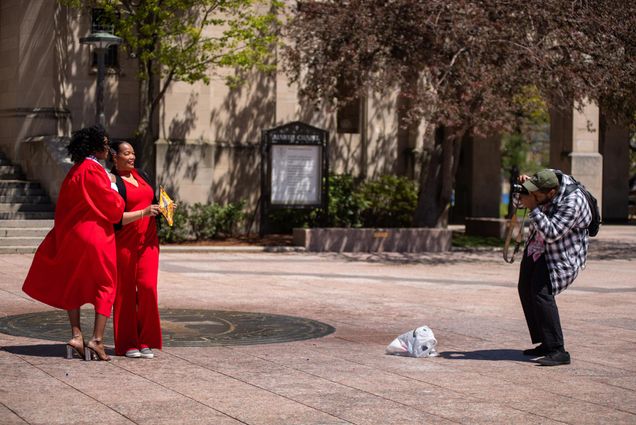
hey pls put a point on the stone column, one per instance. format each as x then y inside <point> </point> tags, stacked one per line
<point>478,184</point>
<point>27,73</point>
<point>614,146</point>
<point>574,146</point>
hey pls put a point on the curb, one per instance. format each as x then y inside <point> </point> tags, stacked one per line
<point>180,249</point>
<point>230,249</point>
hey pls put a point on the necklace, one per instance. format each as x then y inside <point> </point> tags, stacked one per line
<point>131,179</point>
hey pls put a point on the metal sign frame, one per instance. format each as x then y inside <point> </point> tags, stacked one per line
<point>298,134</point>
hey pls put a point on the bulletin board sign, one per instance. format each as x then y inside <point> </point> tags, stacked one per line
<point>296,175</point>
<point>294,167</point>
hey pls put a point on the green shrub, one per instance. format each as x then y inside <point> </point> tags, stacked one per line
<point>344,209</point>
<point>180,230</point>
<point>284,220</point>
<point>212,221</point>
<point>345,203</point>
<point>388,201</point>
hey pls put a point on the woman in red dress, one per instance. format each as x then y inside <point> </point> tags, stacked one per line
<point>76,263</point>
<point>136,313</point>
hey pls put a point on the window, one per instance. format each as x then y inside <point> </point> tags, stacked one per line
<point>348,113</point>
<point>100,21</point>
<point>110,60</point>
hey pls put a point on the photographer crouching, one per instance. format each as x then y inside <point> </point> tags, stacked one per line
<point>555,251</point>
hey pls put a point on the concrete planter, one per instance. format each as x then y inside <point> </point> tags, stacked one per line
<point>373,240</point>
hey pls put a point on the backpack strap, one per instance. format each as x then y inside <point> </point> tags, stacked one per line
<point>559,175</point>
<point>570,188</point>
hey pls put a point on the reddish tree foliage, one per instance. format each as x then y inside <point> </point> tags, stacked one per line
<point>461,64</point>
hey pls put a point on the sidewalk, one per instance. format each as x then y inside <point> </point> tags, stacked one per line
<point>468,298</point>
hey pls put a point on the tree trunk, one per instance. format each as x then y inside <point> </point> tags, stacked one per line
<point>437,178</point>
<point>148,101</point>
<point>144,134</point>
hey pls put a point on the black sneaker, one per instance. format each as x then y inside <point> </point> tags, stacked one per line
<point>555,358</point>
<point>538,351</point>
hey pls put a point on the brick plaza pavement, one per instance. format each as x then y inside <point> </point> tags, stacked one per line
<point>469,299</point>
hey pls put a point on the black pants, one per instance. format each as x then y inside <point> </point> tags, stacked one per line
<point>539,305</point>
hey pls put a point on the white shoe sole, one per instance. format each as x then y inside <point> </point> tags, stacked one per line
<point>149,355</point>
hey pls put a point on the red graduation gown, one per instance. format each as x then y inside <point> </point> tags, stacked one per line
<point>76,263</point>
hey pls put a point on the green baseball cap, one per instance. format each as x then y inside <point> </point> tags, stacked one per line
<point>545,179</point>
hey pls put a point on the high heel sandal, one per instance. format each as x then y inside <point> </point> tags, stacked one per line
<point>95,349</point>
<point>75,348</point>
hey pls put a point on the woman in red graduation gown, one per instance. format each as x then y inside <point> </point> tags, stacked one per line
<point>76,263</point>
<point>136,313</point>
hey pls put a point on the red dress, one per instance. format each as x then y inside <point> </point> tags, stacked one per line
<point>76,263</point>
<point>136,321</point>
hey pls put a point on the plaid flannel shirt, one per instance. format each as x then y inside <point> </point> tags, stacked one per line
<point>563,224</point>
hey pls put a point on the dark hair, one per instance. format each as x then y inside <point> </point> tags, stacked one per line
<point>86,141</point>
<point>114,149</point>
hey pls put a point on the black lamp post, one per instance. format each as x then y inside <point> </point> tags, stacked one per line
<point>100,41</point>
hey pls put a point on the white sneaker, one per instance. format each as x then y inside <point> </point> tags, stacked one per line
<point>133,353</point>
<point>146,353</point>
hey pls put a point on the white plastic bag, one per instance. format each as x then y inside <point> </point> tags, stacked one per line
<point>419,342</point>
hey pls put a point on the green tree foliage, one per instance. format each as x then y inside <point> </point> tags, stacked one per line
<point>517,149</point>
<point>461,66</point>
<point>187,40</point>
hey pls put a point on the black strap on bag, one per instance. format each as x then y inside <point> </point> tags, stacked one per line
<point>595,224</point>
<point>121,187</point>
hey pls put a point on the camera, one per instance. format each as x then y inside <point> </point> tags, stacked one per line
<point>517,188</point>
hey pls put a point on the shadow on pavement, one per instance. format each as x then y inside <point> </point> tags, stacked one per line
<point>42,350</point>
<point>611,250</point>
<point>492,355</point>
<point>456,256</point>
<point>38,350</point>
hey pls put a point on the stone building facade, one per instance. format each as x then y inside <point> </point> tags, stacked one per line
<point>208,136</point>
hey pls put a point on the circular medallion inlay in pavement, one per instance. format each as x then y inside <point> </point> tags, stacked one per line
<point>180,327</point>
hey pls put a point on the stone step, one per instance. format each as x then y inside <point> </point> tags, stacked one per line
<point>9,184</point>
<point>24,232</point>
<point>30,215</point>
<point>24,199</point>
<point>17,223</point>
<point>18,249</point>
<point>10,172</point>
<point>9,168</point>
<point>11,176</point>
<point>14,208</point>
<point>20,241</point>
<point>22,191</point>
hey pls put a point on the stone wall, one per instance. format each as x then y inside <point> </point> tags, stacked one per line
<point>47,87</point>
<point>373,240</point>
